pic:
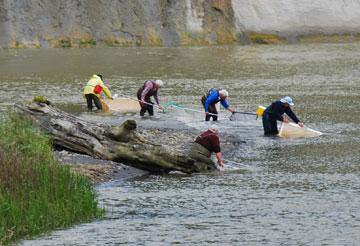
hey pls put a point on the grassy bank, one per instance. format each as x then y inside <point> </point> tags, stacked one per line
<point>36,193</point>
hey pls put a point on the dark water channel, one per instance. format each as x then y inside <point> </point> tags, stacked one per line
<point>279,191</point>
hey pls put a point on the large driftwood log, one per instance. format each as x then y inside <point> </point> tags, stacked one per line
<point>120,144</point>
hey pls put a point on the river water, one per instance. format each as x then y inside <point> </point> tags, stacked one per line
<point>272,192</point>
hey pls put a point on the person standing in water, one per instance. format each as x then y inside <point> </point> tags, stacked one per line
<point>92,91</point>
<point>149,89</point>
<point>274,113</point>
<point>204,145</point>
<point>214,96</point>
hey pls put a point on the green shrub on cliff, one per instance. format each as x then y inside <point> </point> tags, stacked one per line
<point>262,38</point>
<point>64,43</point>
<point>36,193</point>
<point>87,43</point>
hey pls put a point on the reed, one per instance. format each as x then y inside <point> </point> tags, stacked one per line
<point>37,194</point>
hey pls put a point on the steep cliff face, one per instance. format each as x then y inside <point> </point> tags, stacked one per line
<point>294,17</point>
<point>46,23</point>
<point>83,23</point>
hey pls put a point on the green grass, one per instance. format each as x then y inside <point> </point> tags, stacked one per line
<point>37,194</point>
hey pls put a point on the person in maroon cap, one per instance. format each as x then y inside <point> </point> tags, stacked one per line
<point>205,144</point>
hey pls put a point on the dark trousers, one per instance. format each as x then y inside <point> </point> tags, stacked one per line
<point>269,124</point>
<point>90,98</point>
<point>212,110</point>
<point>146,107</point>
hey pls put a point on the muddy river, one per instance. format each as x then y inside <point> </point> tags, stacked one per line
<point>273,191</point>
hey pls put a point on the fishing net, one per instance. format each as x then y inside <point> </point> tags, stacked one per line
<point>242,116</point>
<point>292,130</point>
<point>122,105</point>
<point>167,106</point>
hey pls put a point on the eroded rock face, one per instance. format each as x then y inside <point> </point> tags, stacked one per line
<point>294,17</point>
<point>46,23</point>
<point>85,23</point>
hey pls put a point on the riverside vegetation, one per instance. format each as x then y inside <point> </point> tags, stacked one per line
<point>37,194</point>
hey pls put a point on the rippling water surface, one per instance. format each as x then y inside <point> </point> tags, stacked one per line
<point>273,191</point>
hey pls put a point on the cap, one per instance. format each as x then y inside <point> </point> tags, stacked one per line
<point>287,100</point>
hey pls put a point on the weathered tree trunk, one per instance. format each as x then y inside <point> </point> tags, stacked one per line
<point>120,144</point>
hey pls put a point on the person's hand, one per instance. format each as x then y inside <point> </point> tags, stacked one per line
<point>232,110</point>
<point>286,119</point>
<point>111,98</point>
<point>142,103</point>
<point>221,163</point>
<point>161,107</point>
<point>301,124</point>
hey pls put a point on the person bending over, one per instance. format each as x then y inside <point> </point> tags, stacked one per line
<point>92,91</point>
<point>274,113</point>
<point>204,145</point>
<point>149,89</point>
<point>214,96</point>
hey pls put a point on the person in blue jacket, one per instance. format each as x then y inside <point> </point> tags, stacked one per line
<point>214,96</point>
<point>275,112</point>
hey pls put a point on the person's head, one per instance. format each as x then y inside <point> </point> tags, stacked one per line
<point>100,76</point>
<point>223,94</point>
<point>287,101</point>
<point>159,83</point>
<point>214,128</point>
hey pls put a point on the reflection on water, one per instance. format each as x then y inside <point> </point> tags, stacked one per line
<point>274,191</point>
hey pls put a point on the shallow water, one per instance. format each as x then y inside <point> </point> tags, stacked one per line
<point>273,191</point>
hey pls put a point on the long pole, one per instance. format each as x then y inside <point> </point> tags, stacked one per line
<point>183,108</point>
<point>189,109</point>
<point>131,98</point>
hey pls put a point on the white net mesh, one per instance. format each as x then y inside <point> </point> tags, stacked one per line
<point>291,130</point>
<point>242,116</point>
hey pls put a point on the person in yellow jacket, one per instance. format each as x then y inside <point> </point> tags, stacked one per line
<point>93,89</point>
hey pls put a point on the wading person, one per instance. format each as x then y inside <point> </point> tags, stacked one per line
<point>149,89</point>
<point>204,145</point>
<point>92,90</point>
<point>214,96</point>
<point>275,112</point>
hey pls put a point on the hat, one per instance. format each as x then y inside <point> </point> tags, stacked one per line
<point>159,82</point>
<point>287,100</point>
<point>214,128</point>
<point>224,93</point>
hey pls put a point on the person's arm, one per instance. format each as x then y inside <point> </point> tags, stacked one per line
<point>292,115</point>
<point>148,87</point>
<point>216,147</point>
<point>107,92</point>
<point>156,96</point>
<point>219,159</point>
<point>226,105</point>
